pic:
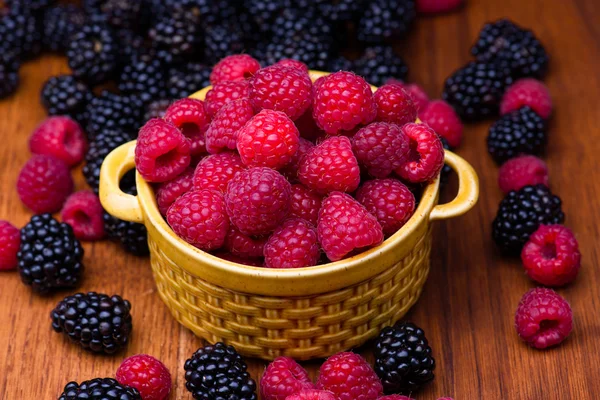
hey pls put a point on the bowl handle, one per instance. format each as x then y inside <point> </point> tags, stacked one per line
<point>468,190</point>
<point>121,205</point>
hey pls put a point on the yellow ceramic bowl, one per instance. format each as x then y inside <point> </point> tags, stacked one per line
<point>302,313</point>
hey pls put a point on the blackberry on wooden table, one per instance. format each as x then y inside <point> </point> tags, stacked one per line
<point>379,63</point>
<point>93,54</point>
<point>65,95</point>
<point>99,389</point>
<point>180,36</point>
<point>9,76</point>
<point>122,13</point>
<point>187,79</point>
<point>143,78</point>
<point>115,112</point>
<point>386,19</point>
<point>100,147</point>
<point>60,23</point>
<point>21,38</point>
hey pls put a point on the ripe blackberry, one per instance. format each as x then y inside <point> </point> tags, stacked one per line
<point>386,19</point>
<point>32,5</point>
<point>341,10</point>
<point>65,95</point>
<point>9,76</point>
<point>115,112</point>
<point>295,21</point>
<point>100,146</point>
<point>378,64</point>
<point>95,321</point>
<point>403,359</point>
<point>264,12</point>
<point>21,39</point>
<point>93,53</point>
<point>50,255</point>
<point>178,35</point>
<point>99,389</point>
<point>519,132</point>
<point>446,170</point>
<point>143,78</point>
<point>520,214</point>
<point>132,45</point>
<point>221,41</point>
<point>60,23</point>
<point>340,63</point>
<point>187,79</point>
<point>133,237</point>
<point>218,372</point>
<point>122,13</point>
<point>157,109</point>
<point>302,47</point>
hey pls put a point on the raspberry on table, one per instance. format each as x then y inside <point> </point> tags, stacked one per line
<point>238,67</point>
<point>146,374</point>
<point>389,200</point>
<point>290,171</point>
<point>223,130</point>
<point>168,192</point>
<point>225,92</point>
<point>312,394</point>
<point>246,246</point>
<point>438,6</point>
<point>10,241</point>
<point>349,377</point>
<point>441,117</point>
<point>522,171</point>
<point>381,148</point>
<point>426,156</point>
<point>84,213</point>
<point>394,105</point>
<point>305,203</point>
<point>99,388</point>
<point>191,118</point>
<point>44,183</point>
<point>282,378</point>
<point>527,92</point>
<point>294,244</point>
<point>60,137</point>
<point>544,318</point>
<point>215,171</point>
<point>551,256</point>
<point>417,94</point>
<point>291,63</point>
<point>251,262</point>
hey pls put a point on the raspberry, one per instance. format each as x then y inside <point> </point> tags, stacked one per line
<point>308,127</point>
<point>190,116</point>
<point>394,104</point>
<point>522,171</point>
<point>237,67</point>
<point>305,203</point>
<point>441,117</point>
<point>527,92</point>
<point>282,378</point>
<point>342,101</point>
<point>345,227</point>
<point>269,139</point>
<point>293,245</point>
<point>330,166</point>
<point>258,200</point>
<point>85,214</point>
<point>44,184</point>
<point>551,256</point>
<point>10,240</point>
<point>395,397</point>
<point>417,94</point>
<point>381,148</point>
<point>215,171</point>
<point>291,63</point>
<point>199,218</point>
<point>290,171</point>
<point>544,318</point>
<point>312,394</point>
<point>60,137</point>
<point>253,262</point>
<point>242,245</point>
<point>162,152</point>
<point>284,89</point>
<point>349,377</point>
<point>168,192</point>
<point>146,374</point>
<point>426,157</point>
<point>224,92</point>
<point>389,200</point>
<point>223,131</point>
<point>438,6</point>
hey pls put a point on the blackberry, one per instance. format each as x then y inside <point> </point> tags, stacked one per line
<point>187,79</point>
<point>403,359</point>
<point>379,63</point>
<point>32,5</point>
<point>303,47</point>
<point>218,373</point>
<point>296,22</point>
<point>264,12</point>
<point>131,45</point>
<point>386,19</point>
<point>446,170</point>
<point>143,78</point>
<point>50,255</point>
<point>340,63</point>
<point>208,12</point>
<point>221,41</point>
<point>521,213</point>
<point>21,39</point>
<point>475,90</point>
<point>180,36</point>
<point>65,95</point>
<point>9,76</point>
<point>100,146</point>
<point>341,10</point>
<point>133,237</point>
<point>93,54</point>
<point>115,112</point>
<point>95,321</point>
<point>157,109</point>
<point>121,13</point>
<point>99,389</point>
<point>60,23</point>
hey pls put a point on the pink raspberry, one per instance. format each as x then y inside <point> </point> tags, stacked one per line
<point>223,131</point>
<point>168,192</point>
<point>44,184</point>
<point>416,92</point>
<point>290,171</point>
<point>85,214</point>
<point>190,116</point>
<point>291,63</point>
<point>441,117</point>
<point>147,374</point>
<point>305,203</point>
<point>215,171</point>
<point>307,126</point>
<point>527,92</point>
<point>238,67</point>
<point>258,200</point>
<point>244,245</point>
<point>199,217</point>
<point>438,6</point>
<point>395,397</point>
<point>522,171</point>
<point>282,378</point>
<point>342,101</point>
<point>10,241</point>
<point>543,319</point>
<point>389,200</point>
<point>60,137</point>
<point>162,152</point>
<point>345,227</point>
<point>269,139</point>
<point>312,394</point>
<point>426,157</point>
<point>381,148</point>
<point>551,256</point>
<point>293,245</point>
<point>252,262</point>
<point>349,377</point>
<point>330,166</point>
<point>225,92</point>
<point>285,89</point>
<point>394,105</point>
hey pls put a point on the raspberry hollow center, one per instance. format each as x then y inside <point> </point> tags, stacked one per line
<point>548,251</point>
<point>190,130</point>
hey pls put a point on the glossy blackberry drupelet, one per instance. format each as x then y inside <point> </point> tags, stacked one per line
<point>59,24</point>
<point>20,38</point>
<point>144,78</point>
<point>93,54</point>
<point>264,12</point>
<point>446,170</point>
<point>100,147</point>
<point>122,13</point>
<point>294,22</point>
<point>50,255</point>
<point>65,95</point>
<point>187,79</point>
<point>403,359</point>
<point>520,214</point>
<point>99,389</point>
<point>221,41</point>
<point>386,19</point>
<point>115,112</point>
<point>218,373</point>
<point>179,35</point>
<point>521,131</point>
<point>9,76</point>
<point>378,64</point>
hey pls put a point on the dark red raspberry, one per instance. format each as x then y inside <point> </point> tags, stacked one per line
<point>224,92</point>
<point>305,203</point>
<point>330,166</point>
<point>168,192</point>
<point>293,245</point>
<point>441,117</point>
<point>285,89</point>
<point>199,217</point>
<point>522,171</point>
<point>438,6</point>
<point>215,171</point>
<point>345,227</point>
<point>253,262</point>
<point>10,240</point>
<point>243,245</point>
<point>394,105</point>
<point>543,319</point>
<point>237,67</point>
<point>349,377</point>
<point>308,127</point>
<point>223,130</point>
<point>342,101</point>
<point>395,397</point>
<point>258,200</point>
<point>85,214</point>
<point>162,152</point>
<point>147,374</point>
<point>426,157</point>
<point>282,378</point>
<point>290,171</point>
<point>416,92</point>
<point>269,139</point>
<point>60,137</point>
<point>381,148</point>
<point>291,63</point>
<point>527,92</point>
<point>44,184</point>
<point>312,394</point>
<point>389,200</point>
<point>190,116</point>
<point>551,256</point>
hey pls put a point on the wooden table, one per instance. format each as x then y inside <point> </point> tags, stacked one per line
<point>468,304</point>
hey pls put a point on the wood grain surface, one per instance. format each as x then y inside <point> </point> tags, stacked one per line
<point>468,304</point>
